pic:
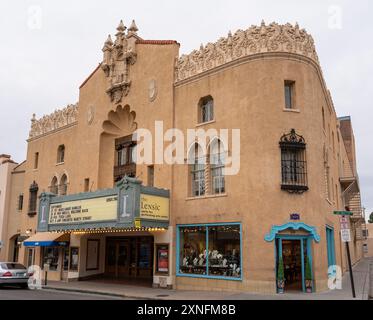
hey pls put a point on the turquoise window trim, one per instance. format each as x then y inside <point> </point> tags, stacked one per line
<point>330,242</point>
<point>293,226</point>
<point>207,276</point>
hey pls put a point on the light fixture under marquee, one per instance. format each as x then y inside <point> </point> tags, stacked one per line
<point>109,230</point>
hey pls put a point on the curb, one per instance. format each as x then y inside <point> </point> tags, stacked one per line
<point>101,293</point>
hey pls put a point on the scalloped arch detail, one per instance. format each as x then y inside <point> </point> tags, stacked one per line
<point>120,121</point>
<point>293,226</point>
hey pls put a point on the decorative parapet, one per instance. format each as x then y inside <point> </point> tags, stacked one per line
<point>255,40</point>
<point>118,56</point>
<point>54,121</point>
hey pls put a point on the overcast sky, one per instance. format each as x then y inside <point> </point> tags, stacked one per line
<point>48,48</point>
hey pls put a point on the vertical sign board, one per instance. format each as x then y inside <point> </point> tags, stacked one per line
<point>346,238</point>
<point>345,229</point>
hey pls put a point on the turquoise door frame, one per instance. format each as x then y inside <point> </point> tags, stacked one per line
<point>330,243</point>
<point>304,241</point>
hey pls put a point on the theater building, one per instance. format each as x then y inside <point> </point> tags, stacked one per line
<point>92,211</point>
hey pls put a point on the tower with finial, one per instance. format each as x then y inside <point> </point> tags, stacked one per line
<point>117,58</point>
<point>108,47</point>
<point>132,30</point>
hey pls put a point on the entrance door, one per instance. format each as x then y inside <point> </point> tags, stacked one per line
<point>111,259</point>
<point>123,259</point>
<point>65,263</point>
<point>294,252</point>
<point>129,258</point>
<point>292,257</point>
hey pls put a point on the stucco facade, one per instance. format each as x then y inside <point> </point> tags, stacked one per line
<point>140,82</point>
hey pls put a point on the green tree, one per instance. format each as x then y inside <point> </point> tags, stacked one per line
<point>371,218</point>
<point>280,269</point>
<point>308,270</point>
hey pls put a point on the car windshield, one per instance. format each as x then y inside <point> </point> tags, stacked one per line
<point>12,266</point>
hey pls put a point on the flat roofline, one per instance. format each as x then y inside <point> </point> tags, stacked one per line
<point>345,118</point>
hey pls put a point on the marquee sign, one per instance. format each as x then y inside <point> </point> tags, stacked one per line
<point>90,210</point>
<point>154,207</point>
<point>128,205</point>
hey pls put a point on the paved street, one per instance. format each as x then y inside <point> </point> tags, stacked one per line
<point>14,293</point>
<point>100,290</point>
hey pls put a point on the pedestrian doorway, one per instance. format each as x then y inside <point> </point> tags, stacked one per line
<point>292,258</point>
<point>130,259</point>
<point>295,251</point>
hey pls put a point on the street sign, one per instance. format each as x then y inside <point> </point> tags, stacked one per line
<point>346,235</point>
<point>344,225</point>
<point>344,219</point>
<point>343,213</point>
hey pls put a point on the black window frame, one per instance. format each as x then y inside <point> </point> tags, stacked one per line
<point>293,163</point>
<point>33,199</point>
<point>20,202</point>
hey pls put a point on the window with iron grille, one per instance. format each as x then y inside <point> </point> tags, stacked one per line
<point>20,202</point>
<point>125,162</point>
<point>206,109</point>
<point>293,163</point>
<point>34,188</point>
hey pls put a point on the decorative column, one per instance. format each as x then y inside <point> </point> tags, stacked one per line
<point>44,206</point>
<point>128,200</point>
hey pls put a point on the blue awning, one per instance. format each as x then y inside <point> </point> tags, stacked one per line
<point>47,239</point>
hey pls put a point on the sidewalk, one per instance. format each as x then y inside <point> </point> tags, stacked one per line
<point>361,276</point>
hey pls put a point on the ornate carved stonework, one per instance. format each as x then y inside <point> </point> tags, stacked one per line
<point>54,121</point>
<point>256,39</point>
<point>118,56</point>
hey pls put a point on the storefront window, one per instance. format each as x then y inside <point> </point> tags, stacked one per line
<point>66,259</point>
<point>224,251</point>
<point>50,256</point>
<point>74,259</point>
<point>192,250</point>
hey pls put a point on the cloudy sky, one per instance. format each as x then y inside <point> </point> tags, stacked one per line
<point>48,48</point>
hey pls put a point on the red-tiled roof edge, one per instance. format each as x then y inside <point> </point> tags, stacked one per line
<point>90,76</point>
<point>158,42</point>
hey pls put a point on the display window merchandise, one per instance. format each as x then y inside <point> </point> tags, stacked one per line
<point>210,251</point>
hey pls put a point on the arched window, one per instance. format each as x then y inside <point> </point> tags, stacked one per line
<point>54,186</point>
<point>206,109</point>
<point>293,163</point>
<point>61,154</point>
<point>33,198</point>
<point>63,185</point>
<point>217,164</point>
<point>197,163</point>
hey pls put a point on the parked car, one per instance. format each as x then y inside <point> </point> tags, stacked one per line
<point>12,273</point>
